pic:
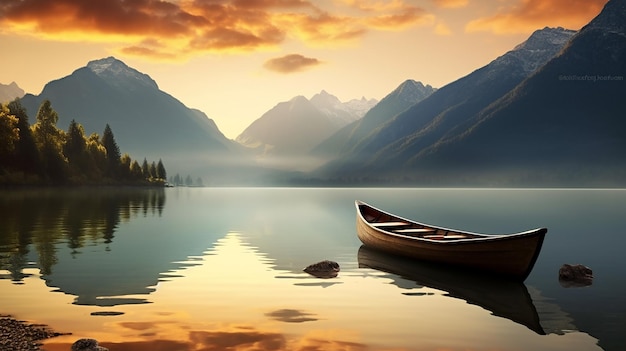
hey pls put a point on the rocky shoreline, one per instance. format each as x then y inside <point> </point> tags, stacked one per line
<point>18,335</point>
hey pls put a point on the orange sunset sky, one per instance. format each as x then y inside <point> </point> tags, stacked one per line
<point>236,59</point>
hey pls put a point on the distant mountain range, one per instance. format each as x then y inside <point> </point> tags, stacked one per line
<point>146,121</point>
<point>8,92</point>
<point>284,136</point>
<point>345,140</point>
<point>550,112</point>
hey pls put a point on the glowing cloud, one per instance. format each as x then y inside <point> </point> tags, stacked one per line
<point>406,17</point>
<point>190,27</point>
<point>451,4</point>
<point>530,15</point>
<point>291,63</point>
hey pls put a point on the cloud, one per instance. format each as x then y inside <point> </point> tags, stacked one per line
<point>451,4</point>
<point>291,63</point>
<point>390,15</point>
<point>190,27</point>
<point>529,15</point>
<point>405,17</point>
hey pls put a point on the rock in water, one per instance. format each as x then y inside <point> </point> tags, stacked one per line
<point>575,275</point>
<point>87,345</point>
<point>323,269</point>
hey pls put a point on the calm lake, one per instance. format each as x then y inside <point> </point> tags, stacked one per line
<point>221,269</point>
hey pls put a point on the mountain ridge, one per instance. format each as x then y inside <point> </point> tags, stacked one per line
<point>283,136</point>
<point>447,110</point>
<point>146,121</point>
<point>559,126</point>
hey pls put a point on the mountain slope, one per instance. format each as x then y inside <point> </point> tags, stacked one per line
<point>405,95</point>
<point>146,121</point>
<point>447,110</point>
<point>284,135</point>
<point>562,125</point>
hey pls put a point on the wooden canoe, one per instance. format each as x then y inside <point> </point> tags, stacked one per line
<point>510,255</point>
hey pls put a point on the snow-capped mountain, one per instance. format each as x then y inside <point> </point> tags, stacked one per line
<point>343,112</point>
<point>541,46</point>
<point>118,73</point>
<point>361,106</point>
<point>284,135</point>
<point>404,96</point>
<point>146,121</point>
<point>449,110</point>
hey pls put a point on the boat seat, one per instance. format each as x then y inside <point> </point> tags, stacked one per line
<point>389,224</point>
<point>415,230</point>
<point>441,237</point>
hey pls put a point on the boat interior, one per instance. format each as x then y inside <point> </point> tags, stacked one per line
<point>388,223</point>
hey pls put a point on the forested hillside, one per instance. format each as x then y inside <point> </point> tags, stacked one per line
<point>43,154</point>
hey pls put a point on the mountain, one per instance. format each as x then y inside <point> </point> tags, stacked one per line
<point>283,136</point>
<point>385,152</point>
<point>564,125</point>
<point>341,113</point>
<point>146,121</point>
<point>405,95</point>
<point>10,92</point>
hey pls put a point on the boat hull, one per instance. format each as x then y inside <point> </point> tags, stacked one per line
<point>512,255</point>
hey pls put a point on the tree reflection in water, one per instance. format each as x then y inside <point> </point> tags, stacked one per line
<point>44,218</point>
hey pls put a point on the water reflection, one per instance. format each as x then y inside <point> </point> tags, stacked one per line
<point>508,299</point>
<point>57,222</point>
<point>222,269</point>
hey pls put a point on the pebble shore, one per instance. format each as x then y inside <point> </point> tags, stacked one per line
<point>18,335</point>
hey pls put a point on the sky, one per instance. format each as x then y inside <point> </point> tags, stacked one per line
<point>236,59</point>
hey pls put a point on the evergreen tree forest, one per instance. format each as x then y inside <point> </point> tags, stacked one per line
<point>43,154</point>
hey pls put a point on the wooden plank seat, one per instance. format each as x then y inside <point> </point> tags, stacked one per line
<point>389,224</point>
<point>441,237</point>
<point>415,230</point>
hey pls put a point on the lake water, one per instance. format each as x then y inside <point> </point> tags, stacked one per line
<point>221,269</point>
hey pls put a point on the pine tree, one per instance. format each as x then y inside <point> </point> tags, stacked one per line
<point>135,171</point>
<point>113,152</point>
<point>153,170</point>
<point>26,153</point>
<point>160,171</point>
<point>75,146</point>
<point>145,169</point>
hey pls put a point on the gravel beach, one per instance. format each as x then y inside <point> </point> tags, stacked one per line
<point>16,335</point>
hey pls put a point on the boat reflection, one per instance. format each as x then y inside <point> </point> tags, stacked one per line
<point>503,298</point>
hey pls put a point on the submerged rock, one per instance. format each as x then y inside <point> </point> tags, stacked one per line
<point>323,269</point>
<point>575,275</point>
<point>87,345</point>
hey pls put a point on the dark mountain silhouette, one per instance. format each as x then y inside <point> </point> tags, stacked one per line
<point>563,125</point>
<point>146,121</point>
<point>390,152</point>
<point>283,136</point>
<point>8,92</point>
<point>405,95</point>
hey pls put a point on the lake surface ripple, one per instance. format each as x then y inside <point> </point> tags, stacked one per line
<point>221,269</point>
